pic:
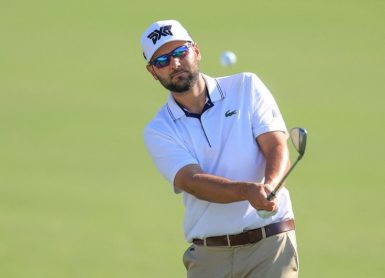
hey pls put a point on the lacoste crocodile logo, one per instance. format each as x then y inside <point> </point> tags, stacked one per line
<point>230,113</point>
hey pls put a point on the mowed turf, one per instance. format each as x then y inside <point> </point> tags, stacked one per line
<point>79,196</point>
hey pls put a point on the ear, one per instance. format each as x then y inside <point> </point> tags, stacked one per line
<point>197,51</point>
<point>150,69</point>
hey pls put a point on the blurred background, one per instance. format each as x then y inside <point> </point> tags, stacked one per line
<point>79,195</point>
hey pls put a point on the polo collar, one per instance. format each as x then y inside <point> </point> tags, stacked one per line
<point>215,92</point>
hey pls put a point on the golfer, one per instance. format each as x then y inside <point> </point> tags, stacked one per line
<point>221,142</point>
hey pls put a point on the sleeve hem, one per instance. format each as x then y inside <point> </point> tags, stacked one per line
<point>270,128</point>
<point>175,170</point>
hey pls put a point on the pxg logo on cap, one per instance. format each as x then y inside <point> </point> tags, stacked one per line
<point>157,34</point>
<point>160,33</point>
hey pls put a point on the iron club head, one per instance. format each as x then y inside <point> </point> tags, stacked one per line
<point>298,136</point>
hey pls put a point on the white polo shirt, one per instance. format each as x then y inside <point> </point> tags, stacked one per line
<point>223,142</point>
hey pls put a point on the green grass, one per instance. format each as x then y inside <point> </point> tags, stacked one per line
<point>79,196</point>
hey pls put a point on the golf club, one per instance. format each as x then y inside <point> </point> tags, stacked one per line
<point>298,136</point>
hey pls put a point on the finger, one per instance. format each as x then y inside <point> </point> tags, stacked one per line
<point>271,205</point>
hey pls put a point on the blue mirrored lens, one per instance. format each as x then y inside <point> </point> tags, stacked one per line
<point>180,51</point>
<point>164,60</point>
<point>161,61</point>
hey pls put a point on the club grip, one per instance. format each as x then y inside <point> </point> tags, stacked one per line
<point>271,196</point>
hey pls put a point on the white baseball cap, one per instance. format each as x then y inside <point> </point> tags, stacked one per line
<point>160,33</point>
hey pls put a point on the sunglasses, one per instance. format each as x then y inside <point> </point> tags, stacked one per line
<point>164,60</point>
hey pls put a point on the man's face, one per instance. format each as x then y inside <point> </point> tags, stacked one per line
<point>182,72</point>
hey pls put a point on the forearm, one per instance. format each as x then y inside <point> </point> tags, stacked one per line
<point>277,163</point>
<point>210,187</point>
<point>276,153</point>
<point>216,189</point>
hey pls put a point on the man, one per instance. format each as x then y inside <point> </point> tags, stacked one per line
<point>222,143</point>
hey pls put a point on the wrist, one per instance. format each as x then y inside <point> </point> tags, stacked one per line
<point>271,182</point>
<point>246,188</point>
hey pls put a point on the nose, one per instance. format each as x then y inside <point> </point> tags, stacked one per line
<point>175,62</point>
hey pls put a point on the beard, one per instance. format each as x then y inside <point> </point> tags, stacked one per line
<point>181,83</point>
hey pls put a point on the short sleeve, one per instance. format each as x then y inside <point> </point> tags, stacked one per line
<point>168,154</point>
<point>266,115</point>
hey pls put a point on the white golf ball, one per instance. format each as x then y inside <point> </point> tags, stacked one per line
<point>228,58</point>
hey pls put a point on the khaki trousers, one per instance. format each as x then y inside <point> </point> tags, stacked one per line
<point>272,257</point>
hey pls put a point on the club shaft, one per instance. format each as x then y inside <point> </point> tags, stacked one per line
<point>279,185</point>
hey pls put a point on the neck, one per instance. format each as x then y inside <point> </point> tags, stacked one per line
<point>193,100</point>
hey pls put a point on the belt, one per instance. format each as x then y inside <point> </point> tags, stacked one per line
<point>247,237</point>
